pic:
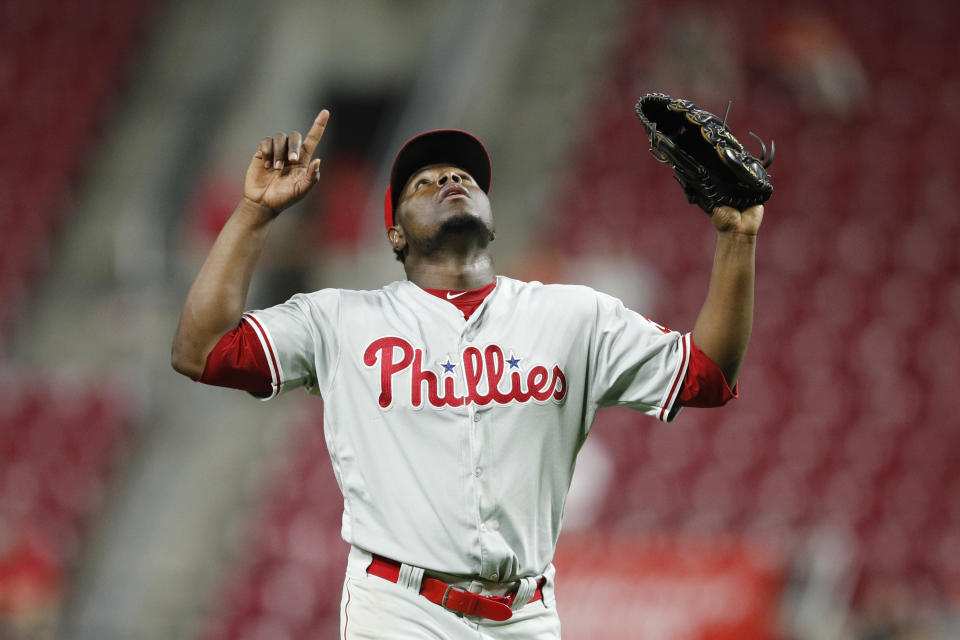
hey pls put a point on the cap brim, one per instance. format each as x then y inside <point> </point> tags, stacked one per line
<point>444,146</point>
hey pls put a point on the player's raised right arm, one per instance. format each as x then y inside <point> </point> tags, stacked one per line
<point>281,172</point>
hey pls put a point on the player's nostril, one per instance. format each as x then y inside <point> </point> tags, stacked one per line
<point>442,181</point>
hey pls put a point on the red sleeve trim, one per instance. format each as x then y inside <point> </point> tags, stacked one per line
<point>238,361</point>
<point>705,385</point>
<point>673,389</point>
<point>267,345</point>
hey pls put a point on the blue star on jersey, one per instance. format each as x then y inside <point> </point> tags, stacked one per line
<point>448,366</point>
<point>514,361</point>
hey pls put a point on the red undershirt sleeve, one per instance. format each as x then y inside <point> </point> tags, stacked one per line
<point>704,384</point>
<point>238,362</point>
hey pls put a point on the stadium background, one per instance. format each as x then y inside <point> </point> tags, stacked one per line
<point>824,504</point>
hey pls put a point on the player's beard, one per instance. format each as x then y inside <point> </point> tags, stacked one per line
<point>461,229</point>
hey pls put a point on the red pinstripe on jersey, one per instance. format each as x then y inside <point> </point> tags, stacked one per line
<point>269,349</point>
<point>676,380</point>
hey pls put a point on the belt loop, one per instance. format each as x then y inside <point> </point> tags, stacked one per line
<point>475,587</point>
<point>410,577</point>
<point>524,592</point>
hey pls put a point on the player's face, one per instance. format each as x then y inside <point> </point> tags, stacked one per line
<point>442,196</point>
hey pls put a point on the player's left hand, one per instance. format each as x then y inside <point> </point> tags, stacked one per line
<point>729,220</point>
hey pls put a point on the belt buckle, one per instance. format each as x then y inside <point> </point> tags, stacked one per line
<point>489,607</point>
<point>443,601</point>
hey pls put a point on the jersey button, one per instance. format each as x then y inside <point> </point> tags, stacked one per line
<point>494,576</point>
<point>478,471</point>
<point>476,417</point>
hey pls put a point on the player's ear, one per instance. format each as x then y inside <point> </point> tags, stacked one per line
<point>396,238</point>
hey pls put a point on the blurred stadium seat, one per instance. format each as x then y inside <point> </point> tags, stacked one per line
<point>62,64</point>
<point>60,441</point>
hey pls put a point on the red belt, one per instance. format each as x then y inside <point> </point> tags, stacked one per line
<point>449,597</point>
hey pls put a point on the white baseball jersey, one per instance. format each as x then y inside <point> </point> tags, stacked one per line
<point>453,440</point>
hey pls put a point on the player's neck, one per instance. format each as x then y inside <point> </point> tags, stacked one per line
<point>450,271</point>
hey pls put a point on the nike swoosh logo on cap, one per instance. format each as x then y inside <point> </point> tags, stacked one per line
<point>451,296</point>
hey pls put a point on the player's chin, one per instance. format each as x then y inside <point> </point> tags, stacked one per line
<point>455,218</point>
<point>464,222</point>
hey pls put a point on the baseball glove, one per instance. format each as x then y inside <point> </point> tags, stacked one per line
<point>710,164</point>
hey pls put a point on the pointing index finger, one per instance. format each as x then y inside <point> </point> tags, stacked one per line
<point>314,135</point>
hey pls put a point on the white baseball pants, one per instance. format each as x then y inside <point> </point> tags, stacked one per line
<point>377,609</point>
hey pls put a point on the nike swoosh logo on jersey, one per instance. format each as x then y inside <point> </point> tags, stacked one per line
<point>451,296</point>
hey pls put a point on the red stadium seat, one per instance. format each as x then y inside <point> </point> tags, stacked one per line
<point>49,50</point>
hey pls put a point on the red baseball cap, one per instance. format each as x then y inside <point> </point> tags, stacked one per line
<point>443,146</point>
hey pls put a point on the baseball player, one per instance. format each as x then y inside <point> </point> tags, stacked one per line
<point>456,400</point>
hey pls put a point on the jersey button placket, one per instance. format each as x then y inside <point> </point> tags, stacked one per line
<point>467,336</point>
<point>476,442</point>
